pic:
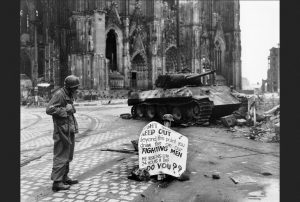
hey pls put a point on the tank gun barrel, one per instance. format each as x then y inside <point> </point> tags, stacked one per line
<point>201,75</point>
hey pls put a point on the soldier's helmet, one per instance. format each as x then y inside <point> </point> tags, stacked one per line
<point>168,117</point>
<point>71,81</point>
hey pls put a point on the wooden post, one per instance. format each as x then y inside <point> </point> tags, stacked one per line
<point>254,113</point>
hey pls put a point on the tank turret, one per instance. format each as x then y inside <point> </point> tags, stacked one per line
<point>180,80</point>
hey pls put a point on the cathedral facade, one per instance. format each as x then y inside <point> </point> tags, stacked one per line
<point>126,44</point>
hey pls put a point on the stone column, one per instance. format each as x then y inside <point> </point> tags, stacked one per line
<point>126,55</point>
<point>99,40</point>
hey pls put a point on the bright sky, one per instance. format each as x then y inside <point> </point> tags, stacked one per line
<point>259,23</point>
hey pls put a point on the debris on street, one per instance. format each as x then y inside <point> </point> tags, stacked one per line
<point>255,125</point>
<point>216,176</point>
<point>126,116</point>
<point>242,179</point>
<point>241,122</point>
<point>139,174</point>
<point>120,150</point>
<point>228,121</point>
<point>135,144</point>
<point>275,110</point>
<point>184,176</point>
<point>266,173</point>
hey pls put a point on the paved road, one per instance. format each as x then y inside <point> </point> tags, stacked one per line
<point>103,174</point>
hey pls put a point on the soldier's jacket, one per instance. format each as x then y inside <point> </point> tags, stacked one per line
<point>64,123</point>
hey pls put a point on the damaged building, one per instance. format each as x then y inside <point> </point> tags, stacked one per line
<point>272,83</point>
<point>126,44</point>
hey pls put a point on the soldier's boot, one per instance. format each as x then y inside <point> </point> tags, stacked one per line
<point>58,185</point>
<point>70,181</point>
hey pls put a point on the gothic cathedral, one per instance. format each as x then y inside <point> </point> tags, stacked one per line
<point>126,44</point>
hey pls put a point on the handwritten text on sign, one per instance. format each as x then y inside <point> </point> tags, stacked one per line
<point>162,150</point>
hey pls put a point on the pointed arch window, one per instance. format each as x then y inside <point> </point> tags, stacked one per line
<point>218,57</point>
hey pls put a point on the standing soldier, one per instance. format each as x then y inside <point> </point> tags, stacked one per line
<point>62,111</point>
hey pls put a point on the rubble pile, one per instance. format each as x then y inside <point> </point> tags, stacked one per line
<point>253,123</point>
<point>268,129</point>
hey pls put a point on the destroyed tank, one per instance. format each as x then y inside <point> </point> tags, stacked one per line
<point>185,97</point>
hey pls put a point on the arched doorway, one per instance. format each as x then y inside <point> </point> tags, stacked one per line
<point>25,64</point>
<point>171,60</point>
<point>111,50</point>
<point>139,73</point>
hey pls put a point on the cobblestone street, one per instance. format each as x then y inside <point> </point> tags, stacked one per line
<point>103,174</point>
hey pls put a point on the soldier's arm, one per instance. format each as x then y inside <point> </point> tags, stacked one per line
<point>55,108</point>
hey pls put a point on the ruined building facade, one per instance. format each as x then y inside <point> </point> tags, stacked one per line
<point>273,74</point>
<point>126,44</point>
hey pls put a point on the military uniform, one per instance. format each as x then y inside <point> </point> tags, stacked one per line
<point>65,126</point>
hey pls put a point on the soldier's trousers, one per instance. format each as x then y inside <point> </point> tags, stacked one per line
<point>62,156</point>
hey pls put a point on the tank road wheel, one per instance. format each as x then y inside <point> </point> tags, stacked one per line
<point>188,112</point>
<point>176,112</point>
<point>196,111</point>
<point>140,109</point>
<point>150,111</point>
<point>133,111</point>
<point>162,110</point>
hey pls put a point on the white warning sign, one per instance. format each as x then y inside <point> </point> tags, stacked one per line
<point>162,150</point>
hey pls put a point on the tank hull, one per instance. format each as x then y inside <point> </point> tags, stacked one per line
<point>197,104</point>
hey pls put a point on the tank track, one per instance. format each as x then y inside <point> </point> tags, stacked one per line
<point>194,111</point>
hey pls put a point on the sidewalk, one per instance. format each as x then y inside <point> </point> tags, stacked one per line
<point>100,102</point>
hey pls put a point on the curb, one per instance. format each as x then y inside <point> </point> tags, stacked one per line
<point>98,104</point>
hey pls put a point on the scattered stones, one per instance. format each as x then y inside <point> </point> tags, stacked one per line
<point>164,184</point>
<point>216,176</point>
<point>266,173</point>
<point>242,179</point>
<point>241,122</point>
<point>126,116</point>
<point>240,114</point>
<point>139,174</point>
<point>206,124</point>
<point>234,180</point>
<point>184,177</point>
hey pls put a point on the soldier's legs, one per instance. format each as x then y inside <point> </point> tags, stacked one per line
<point>71,153</point>
<point>61,152</point>
<point>59,165</point>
